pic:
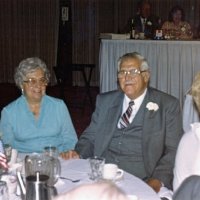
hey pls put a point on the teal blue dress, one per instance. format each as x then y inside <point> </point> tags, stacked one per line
<point>22,131</point>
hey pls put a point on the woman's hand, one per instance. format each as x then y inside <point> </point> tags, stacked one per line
<point>71,154</point>
<point>3,161</point>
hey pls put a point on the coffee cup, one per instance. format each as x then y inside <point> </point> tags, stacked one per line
<point>112,172</point>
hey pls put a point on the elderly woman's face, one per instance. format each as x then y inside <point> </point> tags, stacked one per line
<point>34,85</point>
<point>177,16</point>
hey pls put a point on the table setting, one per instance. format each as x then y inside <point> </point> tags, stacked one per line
<point>29,172</point>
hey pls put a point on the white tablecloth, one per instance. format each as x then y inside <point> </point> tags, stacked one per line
<point>173,64</point>
<point>79,169</point>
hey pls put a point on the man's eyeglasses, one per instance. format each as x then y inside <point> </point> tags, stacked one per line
<point>32,82</point>
<point>132,73</point>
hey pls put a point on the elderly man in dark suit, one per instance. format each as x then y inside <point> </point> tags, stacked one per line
<point>144,20</point>
<point>141,137</point>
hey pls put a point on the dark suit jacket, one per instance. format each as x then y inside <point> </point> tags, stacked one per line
<point>149,29</point>
<point>161,133</point>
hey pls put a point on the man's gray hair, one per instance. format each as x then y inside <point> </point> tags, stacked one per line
<point>27,66</point>
<point>135,55</point>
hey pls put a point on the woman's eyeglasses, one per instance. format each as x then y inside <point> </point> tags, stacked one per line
<point>32,82</point>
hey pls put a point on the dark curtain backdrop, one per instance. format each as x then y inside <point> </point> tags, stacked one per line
<point>27,28</point>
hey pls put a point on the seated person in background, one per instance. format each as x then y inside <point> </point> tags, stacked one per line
<point>137,127</point>
<point>187,160</point>
<point>177,27</point>
<point>35,120</point>
<point>190,112</point>
<point>144,21</point>
<point>94,191</point>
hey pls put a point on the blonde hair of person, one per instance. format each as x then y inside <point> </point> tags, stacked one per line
<point>195,91</point>
<point>94,191</point>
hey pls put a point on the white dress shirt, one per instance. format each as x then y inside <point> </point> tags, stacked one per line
<point>137,103</point>
<point>187,161</point>
<point>143,21</point>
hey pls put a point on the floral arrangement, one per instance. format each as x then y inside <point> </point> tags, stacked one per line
<point>152,106</point>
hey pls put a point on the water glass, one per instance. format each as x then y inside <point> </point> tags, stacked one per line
<point>96,165</point>
<point>11,179</point>
<point>51,151</point>
<point>3,191</point>
<point>8,151</point>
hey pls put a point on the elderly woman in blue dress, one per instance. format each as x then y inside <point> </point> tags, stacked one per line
<point>35,120</point>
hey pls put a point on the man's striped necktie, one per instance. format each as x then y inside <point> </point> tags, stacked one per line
<point>124,120</point>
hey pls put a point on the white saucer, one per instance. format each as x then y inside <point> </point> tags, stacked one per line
<point>132,197</point>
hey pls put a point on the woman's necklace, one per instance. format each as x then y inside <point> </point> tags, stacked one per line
<point>35,109</point>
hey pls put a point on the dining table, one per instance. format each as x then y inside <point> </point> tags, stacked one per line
<point>173,63</point>
<point>76,172</point>
<point>79,169</point>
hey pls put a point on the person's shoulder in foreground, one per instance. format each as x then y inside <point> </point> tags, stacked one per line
<point>94,191</point>
<point>187,161</point>
<point>189,189</point>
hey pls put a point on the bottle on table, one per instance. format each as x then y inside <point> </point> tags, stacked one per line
<point>132,31</point>
<point>159,32</point>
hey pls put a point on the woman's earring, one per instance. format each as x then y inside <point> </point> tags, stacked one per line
<point>22,90</point>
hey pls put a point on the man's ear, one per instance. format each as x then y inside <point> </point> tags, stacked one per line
<point>146,76</point>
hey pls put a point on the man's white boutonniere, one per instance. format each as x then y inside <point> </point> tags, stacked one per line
<point>152,106</point>
<point>149,23</point>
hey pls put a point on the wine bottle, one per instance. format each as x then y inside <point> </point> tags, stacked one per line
<point>132,32</point>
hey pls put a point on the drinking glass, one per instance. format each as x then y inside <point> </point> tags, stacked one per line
<point>51,151</point>
<point>96,165</point>
<point>4,190</point>
<point>7,151</point>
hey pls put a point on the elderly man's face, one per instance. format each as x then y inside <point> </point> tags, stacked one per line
<point>133,86</point>
<point>146,10</point>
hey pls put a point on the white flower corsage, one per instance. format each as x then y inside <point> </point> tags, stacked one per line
<point>183,29</point>
<point>149,23</point>
<point>152,106</point>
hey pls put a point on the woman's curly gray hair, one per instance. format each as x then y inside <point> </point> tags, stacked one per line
<point>27,66</point>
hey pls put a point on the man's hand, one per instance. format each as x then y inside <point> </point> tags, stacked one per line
<point>69,155</point>
<point>155,184</point>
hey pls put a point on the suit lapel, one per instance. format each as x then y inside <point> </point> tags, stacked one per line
<point>111,120</point>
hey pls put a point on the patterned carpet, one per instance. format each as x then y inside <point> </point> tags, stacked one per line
<point>75,97</point>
